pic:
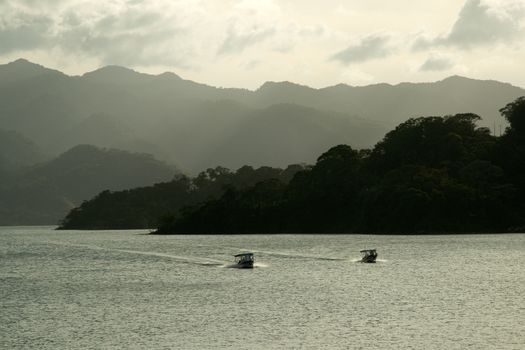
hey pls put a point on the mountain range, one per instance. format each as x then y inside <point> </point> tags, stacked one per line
<point>196,126</point>
<point>63,139</point>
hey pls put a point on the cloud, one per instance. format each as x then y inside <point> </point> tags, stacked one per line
<point>371,47</point>
<point>245,42</point>
<point>250,65</point>
<point>236,41</point>
<point>252,22</point>
<point>312,31</point>
<point>138,34</point>
<point>177,33</point>
<point>131,39</point>
<point>115,33</point>
<point>481,23</point>
<point>23,31</point>
<point>436,64</point>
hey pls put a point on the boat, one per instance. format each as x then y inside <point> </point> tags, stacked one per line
<point>244,260</point>
<point>369,255</point>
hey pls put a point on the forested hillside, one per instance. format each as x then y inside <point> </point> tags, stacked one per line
<point>428,175</point>
<point>147,207</point>
<point>42,194</point>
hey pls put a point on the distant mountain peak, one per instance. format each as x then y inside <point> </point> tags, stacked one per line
<point>116,67</point>
<point>22,63</point>
<point>340,85</point>
<point>119,74</point>
<point>456,77</point>
<point>113,69</point>
<point>169,75</point>
<point>282,84</point>
<point>22,69</point>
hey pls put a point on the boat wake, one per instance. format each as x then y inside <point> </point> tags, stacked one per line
<point>181,258</point>
<point>290,255</point>
<point>184,259</point>
<point>236,266</point>
<point>377,260</point>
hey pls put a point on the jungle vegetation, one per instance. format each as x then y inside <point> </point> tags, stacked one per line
<point>428,175</point>
<point>143,207</point>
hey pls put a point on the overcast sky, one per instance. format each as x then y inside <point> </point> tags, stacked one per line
<point>243,43</point>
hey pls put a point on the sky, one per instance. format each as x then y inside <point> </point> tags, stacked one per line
<point>243,43</point>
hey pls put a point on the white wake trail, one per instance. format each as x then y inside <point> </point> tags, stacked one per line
<point>289,254</point>
<point>187,259</point>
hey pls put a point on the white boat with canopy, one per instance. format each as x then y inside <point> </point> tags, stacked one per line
<point>369,255</point>
<point>245,260</point>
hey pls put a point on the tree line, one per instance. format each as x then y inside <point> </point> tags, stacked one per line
<point>145,207</point>
<point>428,175</point>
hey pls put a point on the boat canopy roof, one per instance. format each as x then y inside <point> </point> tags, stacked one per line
<point>244,254</point>
<point>367,250</point>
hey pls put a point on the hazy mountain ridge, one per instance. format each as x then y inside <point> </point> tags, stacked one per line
<point>391,104</point>
<point>308,130</point>
<point>45,192</point>
<point>188,123</point>
<point>17,151</point>
<point>22,69</point>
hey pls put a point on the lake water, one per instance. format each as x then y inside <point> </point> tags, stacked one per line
<point>125,289</point>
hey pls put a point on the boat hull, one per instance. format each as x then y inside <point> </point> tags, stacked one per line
<point>369,259</point>
<point>245,265</point>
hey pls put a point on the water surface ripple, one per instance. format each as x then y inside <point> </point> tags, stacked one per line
<point>124,289</point>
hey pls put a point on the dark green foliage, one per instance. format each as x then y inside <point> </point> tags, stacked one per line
<point>432,141</point>
<point>514,112</point>
<point>323,198</point>
<point>236,211</point>
<point>138,208</point>
<point>147,206</point>
<point>510,154</point>
<point>434,174</point>
<point>420,199</point>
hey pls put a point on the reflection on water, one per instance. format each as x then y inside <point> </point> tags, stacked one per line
<point>123,289</point>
